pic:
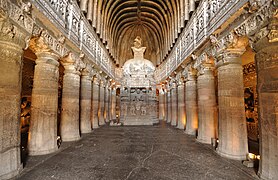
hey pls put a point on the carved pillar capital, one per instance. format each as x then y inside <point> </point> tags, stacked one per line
<point>71,63</point>
<point>228,49</point>
<point>190,73</point>
<point>87,70</point>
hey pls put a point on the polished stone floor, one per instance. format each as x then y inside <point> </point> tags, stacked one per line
<point>157,152</point>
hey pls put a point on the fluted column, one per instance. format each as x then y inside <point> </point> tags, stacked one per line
<point>174,105</point>
<point>11,49</point>
<point>101,104</point>
<point>95,103</point>
<point>43,125</point>
<point>232,123</point>
<point>207,110</point>
<point>169,115</point>
<point>70,99</point>
<point>191,102</point>
<point>267,72</point>
<point>85,100</point>
<point>181,105</point>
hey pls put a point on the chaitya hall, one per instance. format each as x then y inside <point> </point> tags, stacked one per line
<point>139,89</point>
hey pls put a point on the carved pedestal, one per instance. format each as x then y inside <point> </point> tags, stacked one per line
<point>101,104</point>
<point>174,106</point>
<point>191,106</point>
<point>70,101</point>
<point>207,112</point>
<point>10,94</point>
<point>181,107</point>
<point>267,72</point>
<point>232,123</point>
<point>85,102</point>
<point>95,103</point>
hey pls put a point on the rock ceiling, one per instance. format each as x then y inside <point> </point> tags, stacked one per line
<point>118,22</point>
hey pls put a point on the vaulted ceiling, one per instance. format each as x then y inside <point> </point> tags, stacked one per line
<point>118,22</point>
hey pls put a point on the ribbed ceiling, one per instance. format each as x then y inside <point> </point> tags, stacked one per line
<point>118,22</point>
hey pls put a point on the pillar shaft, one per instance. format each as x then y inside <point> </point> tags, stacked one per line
<point>181,106</point>
<point>101,105</point>
<point>106,103</point>
<point>169,107</point>
<point>10,94</point>
<point>95,101</point>
<point>43,125</point>
<point>113,104</point>
<point>232,123</point>
<point>207,112</point>
<point>85,103</point>
<point>174,105</point>
<point>161,105</point>
<point>165,105</point>
<point>267,72</point>
<point>70,104</point>
<point>191,106</point>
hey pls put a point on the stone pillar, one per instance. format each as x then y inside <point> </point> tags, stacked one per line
<point>113,103</point>
<point>191,102</point>
<point>106,103</point>
<point>43,124</point>
<point>174,105</point>
<point>161,104</point>
<point>109,115</point>
<point>85,100</point>
<point>207,110</point>
<point>181,106</point>
<point>165,104</point>
<point>101,104</point>
<point>169,112</point>
<point>11,43</point>
<point>95,102</point>
<point>232,123</point>
<point>267,72</point>
<point>70,100</point>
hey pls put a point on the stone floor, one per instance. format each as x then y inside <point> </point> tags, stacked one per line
<point>143,152</point>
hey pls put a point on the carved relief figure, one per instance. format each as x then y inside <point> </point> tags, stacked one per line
<point>143,110</point>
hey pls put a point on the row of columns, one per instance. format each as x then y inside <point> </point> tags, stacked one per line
<point>82,101</point>
<point>193,100</point>
<point>223,116</point>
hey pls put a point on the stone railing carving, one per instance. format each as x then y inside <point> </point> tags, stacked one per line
<point>67,17</point>
<point>207,18</point>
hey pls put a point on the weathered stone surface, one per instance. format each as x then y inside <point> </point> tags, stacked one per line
<point>85,102</point>
<point>169,108</point>
<point>181,106</point>
<point>10,98</point>
<point>161,104</point>
<point>207,110</point>
<point>191,106</point>
<point>266,62</point>
<point>101,104</point>
<point>70,100</point>
<point>152,152</point>
<point>174,106</point>
<point>95,103</point>
<point>232,123</point>
<point>43,125</point>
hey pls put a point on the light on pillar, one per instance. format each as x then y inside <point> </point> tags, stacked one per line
<point>43,125</point>
<point>232,123</point>
<point>191,100</point>
<point>70,99</point>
